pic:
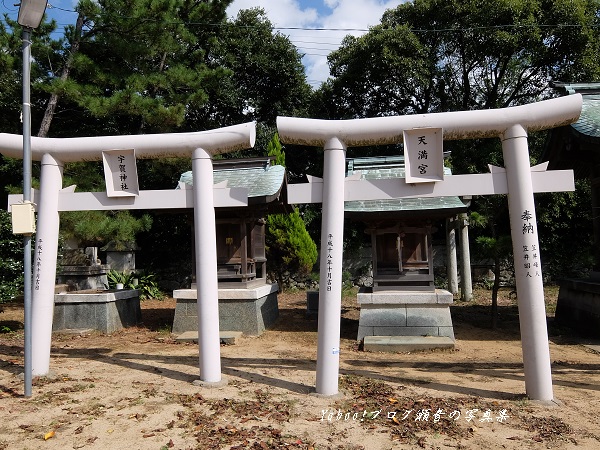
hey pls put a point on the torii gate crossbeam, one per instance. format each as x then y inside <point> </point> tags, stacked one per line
<point>508,124</point>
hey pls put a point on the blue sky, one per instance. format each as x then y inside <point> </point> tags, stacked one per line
<point>336,18</point>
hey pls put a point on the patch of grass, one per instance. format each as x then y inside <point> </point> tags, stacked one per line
<point>164,329</point>
<point>9,326</point>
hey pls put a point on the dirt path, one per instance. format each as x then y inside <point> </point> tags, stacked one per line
<point>133,389</point>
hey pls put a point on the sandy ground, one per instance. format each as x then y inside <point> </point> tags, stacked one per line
<point>133,389</point>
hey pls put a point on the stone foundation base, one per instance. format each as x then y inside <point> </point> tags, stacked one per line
<point>405,313</point>
<point>250,311</point>
<point>105,311</point>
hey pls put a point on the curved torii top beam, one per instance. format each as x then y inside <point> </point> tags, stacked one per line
<point>456,125</point>
<point>221,140</point>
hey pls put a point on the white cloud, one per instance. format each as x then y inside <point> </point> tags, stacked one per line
<point>344,17</point>
<point>282,13</point>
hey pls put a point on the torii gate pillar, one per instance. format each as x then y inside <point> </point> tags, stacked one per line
<point>44,264</point>
<point>528,271</point>
<point>330,287</point>
<point>206,268</point>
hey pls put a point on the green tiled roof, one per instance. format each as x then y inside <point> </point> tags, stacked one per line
<point>589,120</point>
<point>260,181</point>
<point>374,168</point>
<point>405,204</point>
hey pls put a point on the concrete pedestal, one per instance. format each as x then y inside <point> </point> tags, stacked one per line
<point>405,313</point>
<point>105,311</point>
<point>250,311</point>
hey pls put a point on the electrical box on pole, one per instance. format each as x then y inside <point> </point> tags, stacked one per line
<point>23,218</point>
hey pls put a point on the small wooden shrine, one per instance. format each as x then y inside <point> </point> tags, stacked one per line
<point>247,303</point>
<point>401,230</point>
<point>402,256</point>
<point>403,300</point>
<point>241,256</point>
<point>241,251</point>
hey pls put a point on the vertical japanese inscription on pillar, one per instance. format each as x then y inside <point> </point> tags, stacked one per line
<point>424,155</point>
<point>329,261</point>
<point>531,255</point>
<point>38,263</point>
<point>120,173</point>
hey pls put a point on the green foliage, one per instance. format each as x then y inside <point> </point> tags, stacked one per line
<point>150,66</point>
<point>144,282</point>
<point>44,52</point>
<point>95,228</point>
<point>148,286</point>
<point>139,64</point>
<point>262,70</point>
<point>494,247</point>
<point>565,231</point>
<point>11,260</point>
<point>289,246</point>
<point>274,149</point>
<point>124,278</point>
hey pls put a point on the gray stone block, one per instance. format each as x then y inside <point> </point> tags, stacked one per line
<point>578,306</point>
<point>428,316</point>
<point>405,313</point>
<point>374,316</point>
<point>406,343</point>
<point>364,331</point>
<point>405,331</point>
<point>250,311</point>
<point>312,302</point>
<point>106,311</point>
<point>446,331</point>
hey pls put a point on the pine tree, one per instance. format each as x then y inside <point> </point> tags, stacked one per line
<point>289,246</point>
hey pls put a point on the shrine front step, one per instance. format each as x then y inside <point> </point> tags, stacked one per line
<point>226,337</point>
<point>394,344</point>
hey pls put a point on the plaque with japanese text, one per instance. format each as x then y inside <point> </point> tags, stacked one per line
<point>424,155</point>
<point>120,173</point>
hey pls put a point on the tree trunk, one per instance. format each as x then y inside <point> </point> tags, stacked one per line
<point>54,97</point>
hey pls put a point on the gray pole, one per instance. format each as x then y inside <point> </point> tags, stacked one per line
<point>465,273</point>
<point>27,198</point>
<point>451,261</point>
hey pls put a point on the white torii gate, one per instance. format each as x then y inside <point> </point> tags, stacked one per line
<point>201,146</point>
<point>518,180</point>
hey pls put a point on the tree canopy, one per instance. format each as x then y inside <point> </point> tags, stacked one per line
<point>451,55</point>
<point>439,55</point>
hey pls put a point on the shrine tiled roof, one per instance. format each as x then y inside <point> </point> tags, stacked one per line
<point>405,204</point>
<point>261,180</point>
<point>588,124</point>
<point>589,120</point>
<point>377,168</point>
